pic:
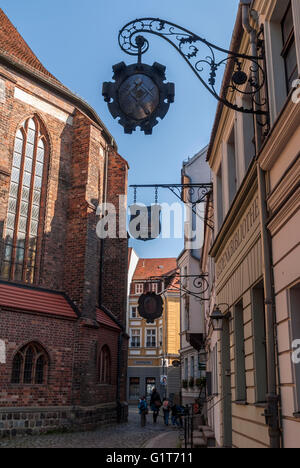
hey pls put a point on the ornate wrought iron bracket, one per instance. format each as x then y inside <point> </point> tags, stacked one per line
<point>192,194</point>
<point>200,284</point>
<point>248,77</point>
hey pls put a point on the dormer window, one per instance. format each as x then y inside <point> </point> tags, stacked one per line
<point>139,288</point>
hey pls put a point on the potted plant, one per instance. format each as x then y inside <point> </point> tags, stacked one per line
<point>192,382</point>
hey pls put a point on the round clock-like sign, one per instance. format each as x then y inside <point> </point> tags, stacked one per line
<point>150,307</point>
<point>139,95</point>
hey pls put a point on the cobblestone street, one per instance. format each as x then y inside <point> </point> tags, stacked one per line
<point>129,435</point>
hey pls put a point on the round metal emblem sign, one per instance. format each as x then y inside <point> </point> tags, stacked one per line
<point>139,95</point>
<point>150,307</point>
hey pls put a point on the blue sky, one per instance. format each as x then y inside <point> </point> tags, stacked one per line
<point>77,42</point>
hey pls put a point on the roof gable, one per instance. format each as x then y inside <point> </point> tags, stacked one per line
<point>154,267</point>
<point>13,45</point>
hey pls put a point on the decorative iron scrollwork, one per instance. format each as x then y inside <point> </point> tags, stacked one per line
<point>188,45</point>
<point>191,285</point>
<point>190,194</point>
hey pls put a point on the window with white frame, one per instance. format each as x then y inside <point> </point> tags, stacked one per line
<point>219,198</point>
<point>231,164</point>
<point>134,312</point>
<point>135,338</point>
<point>289,52</point>
<point>151,338</point>
<point>139,288</point>
<point>154,287</point>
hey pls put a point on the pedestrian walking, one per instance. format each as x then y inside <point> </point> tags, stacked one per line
<point>155,404</point>
<point>143,407</point>
<point>166,409</point>
<point>174,414</point>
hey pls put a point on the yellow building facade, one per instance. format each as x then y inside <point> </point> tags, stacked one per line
<point>154,347</point>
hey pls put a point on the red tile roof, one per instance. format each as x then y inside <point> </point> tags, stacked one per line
<point>13,45</point>
<point>153,267</point>
<point>34,300</point>
<point>174,284</point>
<point>104,319</point>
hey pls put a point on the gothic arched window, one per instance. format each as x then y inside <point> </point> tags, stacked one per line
<point>30,365</point>
<point>27,186</point>
<point>105,366</point>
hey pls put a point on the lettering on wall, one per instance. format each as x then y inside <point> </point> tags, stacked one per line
<point>248,222</point>
<point>2,352</point>
<point>2,91</point>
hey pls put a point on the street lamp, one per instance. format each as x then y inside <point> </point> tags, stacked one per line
<point>217,318</point>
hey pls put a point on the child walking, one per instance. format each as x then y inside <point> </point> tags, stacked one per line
<point>143,407</point>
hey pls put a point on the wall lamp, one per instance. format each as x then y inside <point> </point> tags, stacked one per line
<point>217,317</point>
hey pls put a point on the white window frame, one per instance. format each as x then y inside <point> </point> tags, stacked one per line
<point>131,312</point>
<point>139,288</point>
<point>131,338</point>
<point>146,336</point>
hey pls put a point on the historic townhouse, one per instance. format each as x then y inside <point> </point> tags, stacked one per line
<point>256,245</point>
<point>213,406</point>
<point>195,170</point>
<point>63,292</point>
<point>154,347</point>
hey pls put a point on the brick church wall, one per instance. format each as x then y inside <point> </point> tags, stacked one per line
<point>69,262</point>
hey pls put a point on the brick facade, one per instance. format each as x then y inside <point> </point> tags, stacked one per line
<point>70,257</point>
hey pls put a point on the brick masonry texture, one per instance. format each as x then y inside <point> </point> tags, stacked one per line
<point>72,260</point>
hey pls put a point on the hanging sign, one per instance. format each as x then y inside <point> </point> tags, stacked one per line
<point>139,95</point>
<point>150,307</point>
<point>145,222</point>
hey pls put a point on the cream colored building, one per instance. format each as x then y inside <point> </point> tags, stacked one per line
<point>194,171</point>
<point>256,244</point>
<point>153,348</point>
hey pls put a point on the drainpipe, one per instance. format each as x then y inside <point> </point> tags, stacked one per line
<point>273,399</point>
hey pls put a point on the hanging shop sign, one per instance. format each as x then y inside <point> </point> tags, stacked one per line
<point>150,307</point>
<point>139,95</point>
<point>145,222</point>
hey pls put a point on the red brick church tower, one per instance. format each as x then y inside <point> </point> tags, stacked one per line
<point>63,342</point>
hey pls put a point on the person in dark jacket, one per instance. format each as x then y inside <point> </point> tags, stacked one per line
<point>143,407</point>
<point>174,413</point>
<point>166,410</point>
<point>155,404</point>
